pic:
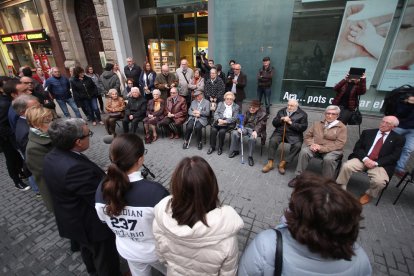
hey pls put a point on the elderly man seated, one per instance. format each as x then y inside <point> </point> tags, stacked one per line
<point>290,123</point>
<point>254,124</point>
<point>135,110</point>
<point>376,152</point>
<point>325,139</point>
<point>175,113</point>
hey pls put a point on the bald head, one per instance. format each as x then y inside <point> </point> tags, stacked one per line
<point>165,70</point>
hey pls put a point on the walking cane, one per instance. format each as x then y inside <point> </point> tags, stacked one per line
<point>282,162</point>
<point>191,135</point>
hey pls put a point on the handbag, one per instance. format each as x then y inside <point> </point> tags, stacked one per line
<point>115,114</point>
<point>213,104</point>
<point>279,254</point>
<point>356,118</point>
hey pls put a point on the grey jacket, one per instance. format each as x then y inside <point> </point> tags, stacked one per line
<point>220,110</point>
<point>259,259</point>
<point>109,80</point>
<point>204,107</point>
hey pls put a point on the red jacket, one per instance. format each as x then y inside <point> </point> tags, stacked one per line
<point>179,109</point>
<point>358,89</point>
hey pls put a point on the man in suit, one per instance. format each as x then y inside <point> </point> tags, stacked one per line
<point>176,113</point>
<point>236,83</point>
<point>376,152</point>
<point>290,122</point>
<point>198,118</point>
<point>72,180</point>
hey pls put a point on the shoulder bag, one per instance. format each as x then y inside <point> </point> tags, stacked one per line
<point>279,254</point>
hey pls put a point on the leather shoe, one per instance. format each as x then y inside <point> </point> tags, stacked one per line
<point>281,167</point>
<point>251,161</point>
<point>171,136</point>
<point>219,151</point>
<point>293,182</point>
<point>364,199</point>
<point>233,154</point>
<point>185,145</point>
<point>200,146</point>
<point>210,150</point>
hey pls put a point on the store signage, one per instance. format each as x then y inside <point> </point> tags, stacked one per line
<point>31,36</point>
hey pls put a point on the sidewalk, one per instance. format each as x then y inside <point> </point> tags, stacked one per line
<point>30,243</point>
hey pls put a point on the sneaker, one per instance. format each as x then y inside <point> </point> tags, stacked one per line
<point>38,195</point>
<point>22,186</point>
<point>101,123</point>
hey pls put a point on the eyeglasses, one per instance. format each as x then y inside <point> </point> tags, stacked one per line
<point>331,114</point>
<point>228,98</point>
<point>26,82</point>
<point>90,134</point>
<point>236,69</point>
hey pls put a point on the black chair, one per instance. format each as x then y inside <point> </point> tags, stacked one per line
<point>409,180</point>
<point>358,178</point>
<point>315,165</point>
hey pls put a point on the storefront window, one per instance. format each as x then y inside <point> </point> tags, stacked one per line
<point>22,17</point>
<point>311,47</point>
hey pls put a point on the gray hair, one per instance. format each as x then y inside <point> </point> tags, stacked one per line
<point>64,132</point>
<point>135,89</point>
<point>20,103</point>
<point>157,91</point>
<point>333,107</point>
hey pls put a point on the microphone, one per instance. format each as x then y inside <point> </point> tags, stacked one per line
<point>107,139</point>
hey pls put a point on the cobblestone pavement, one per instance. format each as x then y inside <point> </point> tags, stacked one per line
<point>30,244</point>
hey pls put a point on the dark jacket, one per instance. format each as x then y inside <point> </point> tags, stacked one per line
<point>5,129</point>
<point>109,80</point>
<point>241,84</point>
<point>133,73</point>
<point>72,183</point>
<point>158,114</point>
<point>150,81</point>
<point>390,151</point>
<point>83,89</point>
<point>59,88</point>
<point>214,89</point>
<point>341,89</point>
<point>294,132</point>
<point>136,107</point>
<point>259,122</point>
<point>405,114</point>
<point>265,76</point>
<point>22,134</point>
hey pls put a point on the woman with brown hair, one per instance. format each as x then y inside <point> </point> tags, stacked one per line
<point>318,233</point>
<point>115,107</point>
<point>192,224</point>
<point>147,80</point>
<point>38,146</point>
<point>125,201</point>
<point>155,113</point>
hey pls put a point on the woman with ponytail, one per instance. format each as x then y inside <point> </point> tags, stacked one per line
<point>125,202</point>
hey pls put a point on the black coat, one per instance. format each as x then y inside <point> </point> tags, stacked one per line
<point>83,89</point>
<point>390,151</point>
<point>294,132</point>
<point>72,180</point>
<point>136,107</point>
<point>133,73</point>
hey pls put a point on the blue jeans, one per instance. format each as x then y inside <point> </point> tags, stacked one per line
<point>32,184</point>
<point>264,91</point>
<point>72,104</point>
<point>407,149</point>
<point>92,109</point>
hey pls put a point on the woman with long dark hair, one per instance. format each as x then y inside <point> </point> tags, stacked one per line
<point>125,201</point>
<point>146,81</point>
<point>195,234</point>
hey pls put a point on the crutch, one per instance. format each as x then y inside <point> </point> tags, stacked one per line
<point>282,162</point>
<point>191,135</point>
<point>241,119</point>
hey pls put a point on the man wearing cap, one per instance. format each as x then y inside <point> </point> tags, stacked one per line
<point>292,121</point>
<point>197,118</point>
<point>254,125</point>
<point>264,82</point>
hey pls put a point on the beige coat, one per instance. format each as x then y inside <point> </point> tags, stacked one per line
<point>330,139</point>
<point>199,250</point>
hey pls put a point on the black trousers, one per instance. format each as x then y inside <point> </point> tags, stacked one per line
<point>134,124</point>
<point>197,130</point>
<point>14,161</point>
<point>221,130</point>
<point>345,115</point>
<point>104,255</point>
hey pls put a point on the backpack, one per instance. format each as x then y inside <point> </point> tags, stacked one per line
<point>394,97</point>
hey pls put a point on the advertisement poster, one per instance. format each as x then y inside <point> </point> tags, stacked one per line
<point>361,39</point>
<point>400,67</point>
<point>45,63</point>
<point>37,62</point>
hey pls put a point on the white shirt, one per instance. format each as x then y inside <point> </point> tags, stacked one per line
<point>228,112</point>
<point>233,88</point>
<point>375,141</point>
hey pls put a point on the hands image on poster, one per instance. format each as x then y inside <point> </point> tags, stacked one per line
<point>364,30</point>
<point>402,57</point>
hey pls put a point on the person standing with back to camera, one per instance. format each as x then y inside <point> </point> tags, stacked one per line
<point>347,92</point>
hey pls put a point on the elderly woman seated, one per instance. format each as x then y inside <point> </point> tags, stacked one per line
<point>155,113</point>
<point>318,232</point>
<point>115,107</point>
<point>225,118</point>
